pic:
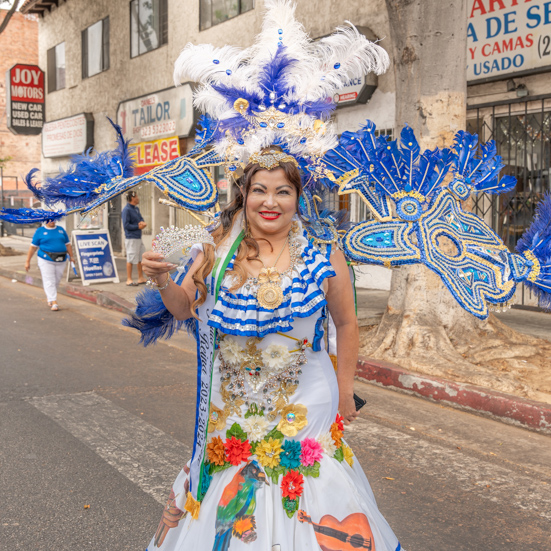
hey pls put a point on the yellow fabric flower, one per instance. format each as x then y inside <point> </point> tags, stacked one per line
<point>268,452</point>
<point>217,418</point>
<point>216,452</point>
<point>193,506</point>
<point>348,454</point>
<point>293,419</point>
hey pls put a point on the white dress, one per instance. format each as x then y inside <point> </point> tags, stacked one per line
<point>283,479</point>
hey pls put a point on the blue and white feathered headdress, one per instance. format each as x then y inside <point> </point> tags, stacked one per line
<point>279,90</point>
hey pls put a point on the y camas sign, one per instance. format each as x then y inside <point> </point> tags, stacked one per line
<point>25,99</point>
<point>507,37</point>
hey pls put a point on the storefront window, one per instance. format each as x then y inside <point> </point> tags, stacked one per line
<point>95,48</point>
<point>214,12</point>
<point>148,25</point>
<point>56,68</point>
<point>92,220</point>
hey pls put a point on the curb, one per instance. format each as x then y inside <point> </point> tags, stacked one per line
<point>497,405</point>
<point>101,298</point>
<point>507,408</point>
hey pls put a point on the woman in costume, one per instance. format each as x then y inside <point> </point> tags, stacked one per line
<point>53,246</point>
<point>277,473</point>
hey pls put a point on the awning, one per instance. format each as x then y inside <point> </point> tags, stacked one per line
<point>38,6</point>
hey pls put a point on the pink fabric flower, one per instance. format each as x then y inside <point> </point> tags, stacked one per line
<point>311,452</point>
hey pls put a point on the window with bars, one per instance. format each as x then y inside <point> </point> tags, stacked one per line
<point>56,67</point>
<point>148,25</point>
<point>522,134</point>
<point>95,48</point>
<point>213,12</point>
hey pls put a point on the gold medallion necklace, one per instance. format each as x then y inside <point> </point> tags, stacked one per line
<point>270,294</point>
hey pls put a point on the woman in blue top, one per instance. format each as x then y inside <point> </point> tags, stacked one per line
<point>53,245</point>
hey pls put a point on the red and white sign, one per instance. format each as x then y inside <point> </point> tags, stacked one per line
<point>150,154</point>
<point>25,99</point>
<point>357,90</point>
<point>505,37</point>
<point>69,136</point>
<point>161,114</point>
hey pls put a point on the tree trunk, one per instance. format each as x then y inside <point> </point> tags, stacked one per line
<point>423,328</point>
<point>9,15</point>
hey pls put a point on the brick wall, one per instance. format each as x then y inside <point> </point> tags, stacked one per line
<point>18,44</point>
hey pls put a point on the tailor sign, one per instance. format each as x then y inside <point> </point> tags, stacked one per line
<point>70,136</point>
<point>161,114</point>
<point>25,99</point>
<point>507,38</point>
<point>95,257</point>
<point>358,90</point>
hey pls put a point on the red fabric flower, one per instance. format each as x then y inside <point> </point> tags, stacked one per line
<point>339,422</point>
<point>291,485</point>
<point>236,450</point>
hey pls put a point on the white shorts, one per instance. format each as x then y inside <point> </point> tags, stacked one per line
<point>134,250</point>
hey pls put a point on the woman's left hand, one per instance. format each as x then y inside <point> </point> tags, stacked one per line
<point>347,408</point>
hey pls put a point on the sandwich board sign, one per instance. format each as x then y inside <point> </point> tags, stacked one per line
<point>95,256</point>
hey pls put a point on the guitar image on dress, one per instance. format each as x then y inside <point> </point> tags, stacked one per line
<point>351,533</point>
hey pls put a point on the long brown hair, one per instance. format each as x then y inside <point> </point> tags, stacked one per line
<point>248,248</point>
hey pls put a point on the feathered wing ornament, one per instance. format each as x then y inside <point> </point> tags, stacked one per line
<point>92,180</point>
<point>535,247</point>
<point>475,265</point>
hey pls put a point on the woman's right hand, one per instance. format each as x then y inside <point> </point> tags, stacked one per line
<point>27,265</point>
<point>153,265</point>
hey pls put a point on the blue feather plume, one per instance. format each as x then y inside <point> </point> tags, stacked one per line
<point>537,238</point>
<point>480,169</point>
<point>30,216</point>
<point>86,176</point>
<point>152,318</point>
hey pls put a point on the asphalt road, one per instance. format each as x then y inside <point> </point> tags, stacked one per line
<point>94,429</point>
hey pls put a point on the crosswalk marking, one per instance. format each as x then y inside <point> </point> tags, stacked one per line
<point>151,459</point>
<point>141,452</point>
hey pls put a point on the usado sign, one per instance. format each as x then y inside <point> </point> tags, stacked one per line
<point>507,37</point>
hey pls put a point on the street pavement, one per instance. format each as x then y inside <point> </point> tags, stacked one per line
<point>95,428</point>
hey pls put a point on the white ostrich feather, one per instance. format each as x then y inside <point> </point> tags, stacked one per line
<point>198,64</point>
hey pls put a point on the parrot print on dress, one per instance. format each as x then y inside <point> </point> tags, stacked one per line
<point>235,514</point>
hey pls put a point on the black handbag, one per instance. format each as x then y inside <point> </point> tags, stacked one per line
<point>56,257</point>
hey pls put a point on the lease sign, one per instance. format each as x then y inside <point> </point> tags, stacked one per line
<point>505,37</point>
<point>156,152</point>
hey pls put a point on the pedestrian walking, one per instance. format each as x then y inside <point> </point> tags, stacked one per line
<point>133,224</point>
<point>53,246</point>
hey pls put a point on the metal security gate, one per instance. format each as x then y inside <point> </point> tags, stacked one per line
<point>522,132</point>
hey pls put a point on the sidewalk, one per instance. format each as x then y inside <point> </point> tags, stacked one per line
<point>371,305</point>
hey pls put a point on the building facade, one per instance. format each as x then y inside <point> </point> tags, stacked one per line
<point>118,57</point>
<point>18,45</point>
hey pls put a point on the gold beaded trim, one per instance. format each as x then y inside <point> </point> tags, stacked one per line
<point>271,159</point>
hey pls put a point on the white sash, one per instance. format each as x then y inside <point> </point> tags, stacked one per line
<point>205,357</point>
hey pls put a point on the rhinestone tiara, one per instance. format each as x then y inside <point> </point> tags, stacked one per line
<point>171,240</point>
<point>271,159</point>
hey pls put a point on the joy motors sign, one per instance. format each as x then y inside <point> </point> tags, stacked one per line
<point>25,99</point>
